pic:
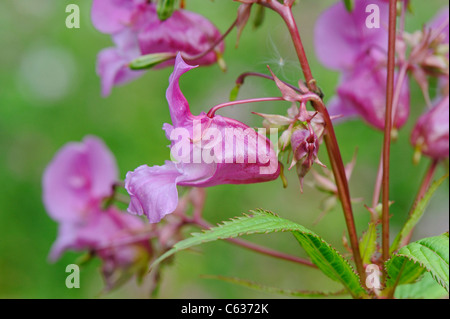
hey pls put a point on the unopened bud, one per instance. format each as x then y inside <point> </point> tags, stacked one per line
<point>165,8</point>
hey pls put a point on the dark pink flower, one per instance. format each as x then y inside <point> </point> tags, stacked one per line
<point>362,92</point>
<point>345,42</point>
<point>136,31</point>
<point>217,150</point>
<point>431,132</point>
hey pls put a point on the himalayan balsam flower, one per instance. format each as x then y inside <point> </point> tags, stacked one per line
<point>153,190</point>
<point>136,30</point>
<point>359,53</point>
<point>77,179</point>
<point>75,183</point>
<point>362,92</point>
<point>341,36</point>
<point>431,132</point>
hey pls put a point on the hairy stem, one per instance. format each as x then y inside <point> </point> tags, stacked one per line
<point>388,128</point>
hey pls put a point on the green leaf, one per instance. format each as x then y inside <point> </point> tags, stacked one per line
<point>326,258</point>
<point>426,288</point>
<point>417,214</point>
<point>275,290</point>
<point>428,254</point>
<point>349,5</point>
<point>150,60</point>
<point>368,244</point>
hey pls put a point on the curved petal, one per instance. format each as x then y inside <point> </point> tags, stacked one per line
<point>153,190</point>
<point>178,105</point>
<point>186,32</point>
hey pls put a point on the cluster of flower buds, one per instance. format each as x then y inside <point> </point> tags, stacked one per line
<point>301,130</point>
<point>75,184</point>
<point>141,27</point>
<point>358,52</point>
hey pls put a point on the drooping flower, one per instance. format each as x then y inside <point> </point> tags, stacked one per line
<point>362,92</point>
<point>136,31</point>
<point>78,178</point>
<point>214,150</point>
<point>340,36</point>
<point>359,52</point>
<point>430,135</point>
<point>75,183</point>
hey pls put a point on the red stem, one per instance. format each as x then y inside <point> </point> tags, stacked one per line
<point>388,127</point>
<point>214,109</point>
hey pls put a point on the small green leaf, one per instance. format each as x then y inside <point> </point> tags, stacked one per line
<point>326,258</point>
<point>349,5</point>
<point>428,254</point>
<point>165,8</point>
<point>259,16</point>
<point>368,244</point>
<point>274,290</point>
<point>416,215</point>
<point>150,60</point>
<point>426,288</point>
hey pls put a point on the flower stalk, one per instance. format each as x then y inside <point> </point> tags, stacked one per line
<point>330,137</point>
<point>388,128</point>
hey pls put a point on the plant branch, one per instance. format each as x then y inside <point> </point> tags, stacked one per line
<point>330,138</point>
<point>388,128</point>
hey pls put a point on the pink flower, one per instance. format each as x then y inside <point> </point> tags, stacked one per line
<point>75,183</point>
<point>340,37</point>
<point>359,52</point>
<point>136,31</point>
<point>112,63</point>
<point>153,190</point>
<point>78,178</point>
<point>362,92</point>
<point>431,132</point>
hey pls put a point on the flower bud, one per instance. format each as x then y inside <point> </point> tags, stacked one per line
<point>430,134</point>
<point>305,147</point>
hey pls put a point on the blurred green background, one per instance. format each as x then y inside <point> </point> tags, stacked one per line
<point>50,94</point>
